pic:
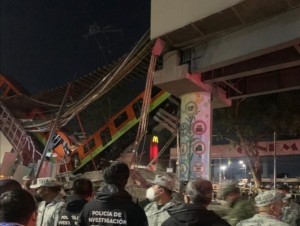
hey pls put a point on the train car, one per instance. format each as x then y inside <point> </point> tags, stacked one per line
<point>115,128</point>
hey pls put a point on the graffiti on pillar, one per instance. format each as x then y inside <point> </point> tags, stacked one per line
<point>183,149</point>
<point>198,168</point>
<point>199,148</point>
<point>191,108</point>
<point>199,127</point>
<point>183,169</point>
<point>195,136</point>
<point>183,129</point>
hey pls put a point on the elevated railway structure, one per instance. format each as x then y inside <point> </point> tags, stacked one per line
<point>239,48</point>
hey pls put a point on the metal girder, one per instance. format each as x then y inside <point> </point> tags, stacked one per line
<point>254,71</point>
<point>261,38</point>
<point>297,47</point>
<point>170,15</point>
<point>273,82</point>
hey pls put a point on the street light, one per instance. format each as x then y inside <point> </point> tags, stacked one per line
<point>223,168</point>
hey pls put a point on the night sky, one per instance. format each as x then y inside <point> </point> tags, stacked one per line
<point>43,43</point>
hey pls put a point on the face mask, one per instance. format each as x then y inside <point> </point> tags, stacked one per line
<point>41,193</point>
<point>150,194</point>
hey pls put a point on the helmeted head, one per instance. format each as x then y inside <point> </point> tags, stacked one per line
<point>270,202</point>
<point>47,188</point>
<point>161,186</point>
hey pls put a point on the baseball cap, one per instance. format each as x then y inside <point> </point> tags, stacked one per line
<point>45,182</point>
<point>268,197</point>
<point>163,181</point>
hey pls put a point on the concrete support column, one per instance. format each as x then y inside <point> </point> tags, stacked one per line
<point>195,137</point>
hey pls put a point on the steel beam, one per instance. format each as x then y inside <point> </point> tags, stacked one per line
<point>274,82</point>
<point>261,38</point>
<point>255,71</point>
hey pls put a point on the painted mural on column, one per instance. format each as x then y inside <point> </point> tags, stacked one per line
<point>195,136</point>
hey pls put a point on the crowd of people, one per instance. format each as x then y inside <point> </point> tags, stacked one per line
<point>41,203</point>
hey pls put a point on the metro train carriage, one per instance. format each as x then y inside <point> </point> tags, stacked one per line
<point>115,127</point>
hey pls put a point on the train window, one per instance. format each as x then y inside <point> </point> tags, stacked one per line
<point>120,119</point>
<point>89,146</point>
<point>56,140</point>
<point>75,160</point>
<point>155,91</point>
<point>85,149</point>
<point>66,148</point>
<point>11,93</point>
<point>105,136</point>
<point>3,88</point>
<point>137,107</point>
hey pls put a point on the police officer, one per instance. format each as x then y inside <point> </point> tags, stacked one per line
<point>82,193</point>
<point>113,204</point>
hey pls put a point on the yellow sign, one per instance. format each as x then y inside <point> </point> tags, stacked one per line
<point>155,139</point>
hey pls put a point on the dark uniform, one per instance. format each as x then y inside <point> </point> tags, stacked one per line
<point>193,215</point>
<point>112,207</point>
<point>70,212</point>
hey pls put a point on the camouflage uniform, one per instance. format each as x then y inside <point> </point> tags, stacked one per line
<point>48,214</point>
<point>291,213</point>
<point>237,209</point>
<point>240,210</point>
<point>157,216</point>
<point>221,208</point>
<point>262,220</point>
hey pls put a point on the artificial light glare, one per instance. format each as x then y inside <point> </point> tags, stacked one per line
<point>223,168</point>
